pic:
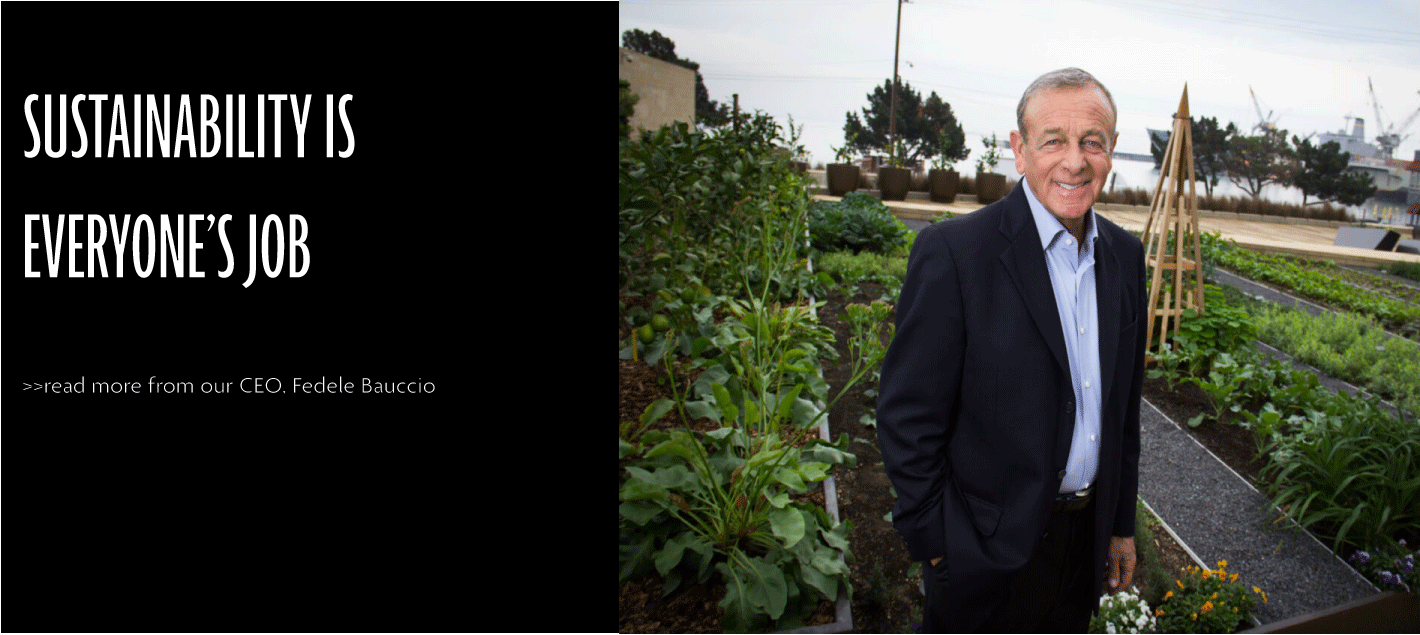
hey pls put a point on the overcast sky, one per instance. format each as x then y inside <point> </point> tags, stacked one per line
<point>1307,61</point>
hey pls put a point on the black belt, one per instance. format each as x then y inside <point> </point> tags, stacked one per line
<point>1073,502</point>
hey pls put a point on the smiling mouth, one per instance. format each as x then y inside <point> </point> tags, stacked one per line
<point>1071,187</point>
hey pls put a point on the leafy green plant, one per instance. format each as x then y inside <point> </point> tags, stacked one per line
<point>866,345</point>
<point>844,154</point>
<point>1348,472</point>
<point>1220,328</point>
<point>731,493</point>
<point>1223,387</point>
<point>1207,601</point>
<point>711,238</point>
<point>988,160</point>
<point>1170,362</point>
<point>866,266</point>
<point>706,199</point>
<point>856,223</point>
<point>1320,286</point>
<point>1349,347</point>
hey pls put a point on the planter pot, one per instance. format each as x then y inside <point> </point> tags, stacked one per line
<point>842,178</point>
<point>893,183</point>
<point>942,185</point>
<point>990,186</point>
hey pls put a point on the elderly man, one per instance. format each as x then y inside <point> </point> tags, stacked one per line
<point>1009,408</point>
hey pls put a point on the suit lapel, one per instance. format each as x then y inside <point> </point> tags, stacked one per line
<point>1025,262</point>
<point>1107,294</point>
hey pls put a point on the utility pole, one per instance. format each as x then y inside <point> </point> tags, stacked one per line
<point>892,112</point>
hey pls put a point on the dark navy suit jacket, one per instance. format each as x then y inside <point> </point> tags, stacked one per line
<point>976,407</point>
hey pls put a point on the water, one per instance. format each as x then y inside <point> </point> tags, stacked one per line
<point>1142,174</point>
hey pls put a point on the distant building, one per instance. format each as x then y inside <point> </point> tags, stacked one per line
<point>1397,189</point>
<point>1397,182</point>
<point>666,91</point>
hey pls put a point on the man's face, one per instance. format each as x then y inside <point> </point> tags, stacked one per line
<point>1069,151</point>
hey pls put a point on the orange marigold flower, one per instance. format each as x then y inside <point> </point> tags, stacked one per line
<point>1207,606</point>
<point>1194,617</point>
<point>1168,595</point>
<point>1222,564</point>
<point>1234,578</point>
<point>1206,572</point>
<point>1180,585</point>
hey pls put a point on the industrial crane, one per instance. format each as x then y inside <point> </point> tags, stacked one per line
<point>1262,122</point>
<point>1390,137</point>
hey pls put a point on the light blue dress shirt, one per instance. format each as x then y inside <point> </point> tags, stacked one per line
<point>1072,275</point>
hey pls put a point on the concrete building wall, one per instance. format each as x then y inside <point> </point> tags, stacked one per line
<point>667,91</point>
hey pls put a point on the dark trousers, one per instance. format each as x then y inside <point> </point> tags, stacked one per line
<point>1051,594</point>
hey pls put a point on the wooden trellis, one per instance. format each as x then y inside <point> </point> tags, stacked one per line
<point>1171,235</point>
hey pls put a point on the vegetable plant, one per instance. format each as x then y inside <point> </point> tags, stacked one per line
<point>856,223</point>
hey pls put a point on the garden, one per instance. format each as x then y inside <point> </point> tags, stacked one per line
<point>749,316</point>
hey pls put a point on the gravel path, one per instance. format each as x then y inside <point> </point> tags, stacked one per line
<point>1219,516</point>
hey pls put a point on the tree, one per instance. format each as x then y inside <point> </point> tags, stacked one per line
<point>1322,173</point>
<point>708,112</point>
<point>628,101</point>
<point>1254,162</point>
<point>921,126</point>
<point>1210,150</point>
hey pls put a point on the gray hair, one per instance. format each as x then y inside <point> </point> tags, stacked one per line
<point>1064,78</point>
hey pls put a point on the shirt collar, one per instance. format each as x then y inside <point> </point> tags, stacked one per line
<point>1050,227</point>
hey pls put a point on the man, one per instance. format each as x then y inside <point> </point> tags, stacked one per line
<point>1009,408</point>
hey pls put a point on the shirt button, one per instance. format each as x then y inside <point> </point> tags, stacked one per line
<point>1082,330</point>
<point>1087,384</point>
<point>1092,437</point>
<point>1069,242</point>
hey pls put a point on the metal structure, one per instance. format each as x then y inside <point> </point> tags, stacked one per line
<point>1389,138</point>
<point>1263,123</point>
<point>1171,237</point>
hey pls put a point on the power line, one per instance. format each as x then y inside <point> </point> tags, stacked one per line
<point>1301,26</point>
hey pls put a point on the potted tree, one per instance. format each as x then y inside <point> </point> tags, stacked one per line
<point>942,180</point>
<point>989,185</point>
<point>894,180</point>
<point>843,174</point>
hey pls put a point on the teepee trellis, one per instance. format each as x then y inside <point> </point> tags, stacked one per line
<point>1171,234</point>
